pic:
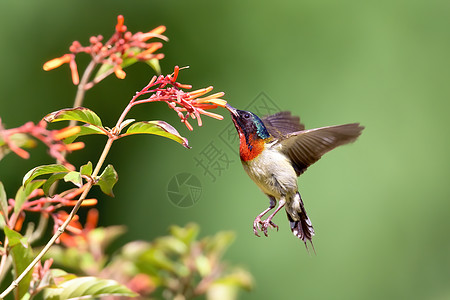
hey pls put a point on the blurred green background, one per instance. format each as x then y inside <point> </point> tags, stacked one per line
<point>380,206</point>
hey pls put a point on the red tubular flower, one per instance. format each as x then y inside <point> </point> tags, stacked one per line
<point>51,138</point>
<point>167,89</point>
<point>122,44</point>
<point>80,237</point>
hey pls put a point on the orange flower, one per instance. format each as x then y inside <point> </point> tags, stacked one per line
<point>148,54</point>
<point>80,237</point>
<point>74,71</point>
<point>75,146</point>
<point>157,32</point>
<point>167,89</point>
<point>56,62</point>
<point>120,21</point>
<point>66,132</point>
<point>122,44</point>
<point>120,73</point>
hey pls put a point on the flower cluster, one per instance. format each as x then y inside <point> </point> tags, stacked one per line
<point>122,49</point>
<point>37,201</point>
<point>76,235</point>
<point>15,138</point>
<point>186,104</point>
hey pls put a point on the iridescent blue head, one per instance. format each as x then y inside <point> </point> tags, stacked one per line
<point>248,123</point>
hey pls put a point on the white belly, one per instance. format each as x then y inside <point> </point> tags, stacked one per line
<point>273,173</point>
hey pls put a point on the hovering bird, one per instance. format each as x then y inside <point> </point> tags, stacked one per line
<point>274,151</point>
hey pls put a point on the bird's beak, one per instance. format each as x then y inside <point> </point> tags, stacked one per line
<point>232,110</point>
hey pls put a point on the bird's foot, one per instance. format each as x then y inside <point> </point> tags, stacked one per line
<point>263,225</point>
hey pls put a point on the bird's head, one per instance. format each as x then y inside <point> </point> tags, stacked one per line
<point>252,132</point>
<point>248,124</point>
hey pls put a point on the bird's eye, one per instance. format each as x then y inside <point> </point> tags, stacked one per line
<point>247,115</point>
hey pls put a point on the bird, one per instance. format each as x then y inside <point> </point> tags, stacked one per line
<point>274,151</point>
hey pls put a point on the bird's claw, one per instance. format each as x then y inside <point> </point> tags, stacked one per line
<point>263,225</point>
<point>256,226</point>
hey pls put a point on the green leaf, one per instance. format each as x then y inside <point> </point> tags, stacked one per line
<point>22,255</point>
<point>86,129</point>
<point>128,62</point>
<point>171,244</point>
<point>74,177</point>
<point>72,258</point>
<point>42,170</point>
<point>86,288</point>
<point>218,244</point>
<point>52,179</point>
<point>154,64</point>
<point>237,277</point>
<point>3,202</point>
<point>80,114</point>
<point>186,234</point>
<point>107,180</point>
<point>24,192</point>
<point>86,169</point>
<point>157,128</point>
<point>203,265</point>
<point>102,237</point>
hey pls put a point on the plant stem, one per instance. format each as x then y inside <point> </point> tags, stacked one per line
<point>62,228</point>
<point>4,264</point>
<point>81,91</point>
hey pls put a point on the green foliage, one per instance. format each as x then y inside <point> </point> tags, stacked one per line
<point>43,170</point>
<point>51,180</point>
<point>74,177</point>
<point>184,266</point>
<point>24,192</point>
<point>94,125</point>
<point>107,180</point>
<point>3,201</point>
<point>80,114</point>
<point>176,265</point>
<point>86,129</point>
<point>160,128</point>
<point>154,64</point>
<point>87,288</point>
<point>22,255</point>
<point>86,169</point>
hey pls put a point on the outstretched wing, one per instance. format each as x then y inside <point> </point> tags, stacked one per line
<point>282,123</point>
<point>306,147</point>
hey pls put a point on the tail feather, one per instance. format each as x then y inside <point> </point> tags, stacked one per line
<point>301,225</point>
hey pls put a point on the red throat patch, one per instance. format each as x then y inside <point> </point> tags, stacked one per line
<point>251,150</point>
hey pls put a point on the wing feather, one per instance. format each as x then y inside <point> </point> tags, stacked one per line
<point>306,147</point>
<point>282,123</point>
